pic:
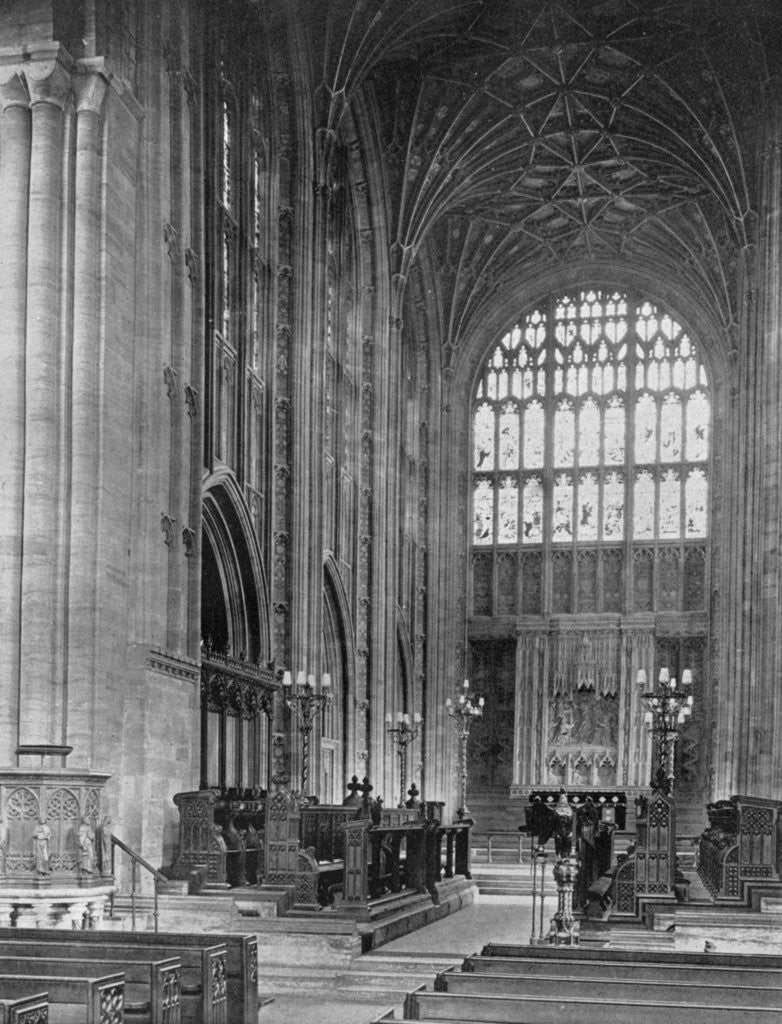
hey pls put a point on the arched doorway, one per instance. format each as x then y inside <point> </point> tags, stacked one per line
<point>338,731</point>
<point>237,683</point>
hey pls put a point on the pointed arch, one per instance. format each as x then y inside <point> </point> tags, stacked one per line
<point>338,741</point>
<point>234,599</point>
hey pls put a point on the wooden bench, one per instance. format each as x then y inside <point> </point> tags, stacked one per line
<point>241,957</point>
<point>27,1010</point>
<point>202,984</point>
<point>72,1000</point>
<point>612,990</point>
<point>592,1009</point>
<point>152,987</point>
<point>593,970</point>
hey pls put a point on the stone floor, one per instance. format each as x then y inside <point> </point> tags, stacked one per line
<point>489,919</point>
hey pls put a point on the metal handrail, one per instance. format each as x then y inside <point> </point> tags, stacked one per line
<point>135,860</point>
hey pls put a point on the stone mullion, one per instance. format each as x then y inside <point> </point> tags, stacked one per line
<point>87,391</point>
<point>15,145</point>
<point>42,667</point>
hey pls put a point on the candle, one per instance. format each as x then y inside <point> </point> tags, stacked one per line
<point>687,677</point>
<point>311,681</point>
<point>326,680</point>
<point>399,717</point>
<point>466,683</point>
<point>301,678</point>
<point>286,678</point>
<point>664,675</point>
<point>417,718</point>
<point>389,718</point>
<point>641,677</point>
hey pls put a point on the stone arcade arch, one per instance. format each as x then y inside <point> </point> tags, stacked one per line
<point>236,679</point>
<point>337,754</point>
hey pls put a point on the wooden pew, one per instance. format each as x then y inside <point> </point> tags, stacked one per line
<point>152,987</point>
<point>72,1000</point>
<point>27,1010</point>
<point>553,1009</point>
<point>202,988</point>
<point>241,960</point>
<point>669,958</point>
<point>682,972</point>
<point>611,990</point>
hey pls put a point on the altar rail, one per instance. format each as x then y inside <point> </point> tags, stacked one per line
<point>742,845</point>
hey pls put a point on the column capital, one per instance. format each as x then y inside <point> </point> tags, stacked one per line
<point>49,81</point>
<point>90,88</point>
<point>13,91</point>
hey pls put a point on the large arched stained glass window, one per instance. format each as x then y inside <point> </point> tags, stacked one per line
<point>590,459</point>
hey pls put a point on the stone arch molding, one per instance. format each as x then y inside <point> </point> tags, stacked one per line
<point>228,531</point>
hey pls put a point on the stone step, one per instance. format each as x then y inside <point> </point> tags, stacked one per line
<point>403,963</point>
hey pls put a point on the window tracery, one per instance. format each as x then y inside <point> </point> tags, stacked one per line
<point>591,421</point>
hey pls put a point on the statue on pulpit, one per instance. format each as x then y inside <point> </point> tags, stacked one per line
<point>86,847</point>
<point>4,840</point>
<point>42,838</point>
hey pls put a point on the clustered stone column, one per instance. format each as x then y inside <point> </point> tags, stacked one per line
<point>50,260</point>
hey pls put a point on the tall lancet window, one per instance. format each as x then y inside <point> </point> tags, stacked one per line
<point>590,462</point>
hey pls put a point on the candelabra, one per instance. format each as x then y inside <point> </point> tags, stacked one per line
<point>666,710</point>
<point>462,713</point>
<point>306,704</point>
<point>403,734</point>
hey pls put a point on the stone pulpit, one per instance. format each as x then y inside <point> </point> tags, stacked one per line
<point>55,868</point>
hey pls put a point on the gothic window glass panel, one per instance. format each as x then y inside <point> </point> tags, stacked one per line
<point>645,430</point>
<point>591,430</point>
<point>508,510</point>
<point>483,432</point>
<point>587,522</point>
<point>532,511</point>
<point>564,431</point>
<point>643,504</point>
<point>563,507</point>
<point>697,427</point>
<point>226,286</point>
<point>228,146</point>
<point>483,505</point>
<point>614,507</point>
<point>509,436</point>
<point>534,436</point>
<point>670,505</point>
<point>671,429</point>
<point>589,434</point>
<point>697,495</point>
<point>615,432</point>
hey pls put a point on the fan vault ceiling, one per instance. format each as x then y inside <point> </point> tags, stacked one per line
<point>535,133</point>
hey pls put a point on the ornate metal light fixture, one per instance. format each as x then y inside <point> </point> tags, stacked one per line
<point>403,734</point>
<point>462,714</point>
<point>306,704</point>
<point>666,710</point>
